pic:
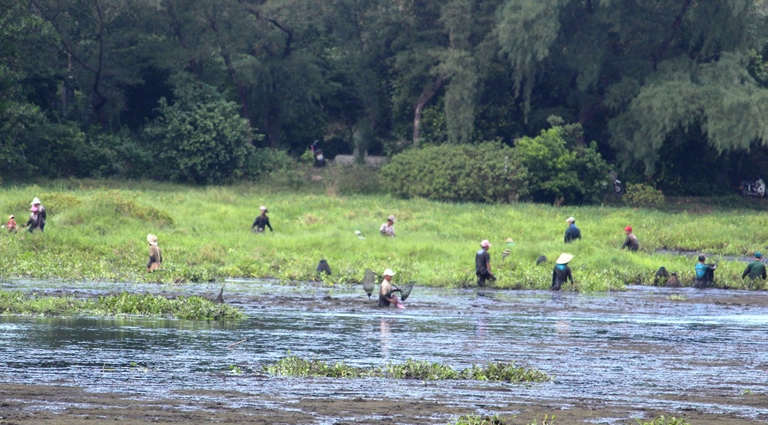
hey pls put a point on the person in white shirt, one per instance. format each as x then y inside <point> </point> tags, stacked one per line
<point>388,228</point>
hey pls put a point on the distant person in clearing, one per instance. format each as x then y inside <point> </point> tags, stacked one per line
<point>387,290</point>
<point>755,269</point>
<point>11,224</point>
<point>388,228</point>
<point>155,255</point>
<point>561,273</point>
<point>261,221</point>
<point>630,242</point>
<point>572,232</point>
<point>483,264</point>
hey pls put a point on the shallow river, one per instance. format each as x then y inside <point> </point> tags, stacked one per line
<point>641,347</point>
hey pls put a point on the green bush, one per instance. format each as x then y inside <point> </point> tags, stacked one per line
<point>557,171</point>
<point>201,138</point>
<point>661,420</point>
<point>487,172</point>
<point>643,195</point>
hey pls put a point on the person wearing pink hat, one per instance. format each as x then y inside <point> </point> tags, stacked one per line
<point>483,264</point>
<point>630,242</point>
<point>37,217</point>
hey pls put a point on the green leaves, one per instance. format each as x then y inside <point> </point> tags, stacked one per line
<point>412,369</point>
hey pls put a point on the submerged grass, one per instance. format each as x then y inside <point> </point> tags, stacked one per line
<point>96,231</point>
<point>496,420</point>
<point>192,308</point>
<point>295,366</point>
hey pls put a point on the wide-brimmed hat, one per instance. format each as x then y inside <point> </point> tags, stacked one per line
<point>12,216</point>
<point>388,272</point>
<point>628,229</point>
<point>509,240</point>
<point>570,220</point>
<point>391,218</point>
<point>35,201</point>
<point>262,208</point>
<point>152,239</point>
<point>564,259</point>
<point>485,243</point>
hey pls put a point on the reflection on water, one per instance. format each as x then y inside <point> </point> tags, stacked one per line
<point>630,347</point>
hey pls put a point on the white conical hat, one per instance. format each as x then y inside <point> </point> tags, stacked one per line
<point>389,272</point>
<point>564,259</point>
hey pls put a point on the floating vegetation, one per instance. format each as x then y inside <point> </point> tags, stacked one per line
<point>661,420</point>
<point>496,420</point>
<point>192,308</point>
<point>295,366</point>
<point>676,298</point>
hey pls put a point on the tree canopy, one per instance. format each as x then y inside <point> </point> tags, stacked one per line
<point>651,81</point>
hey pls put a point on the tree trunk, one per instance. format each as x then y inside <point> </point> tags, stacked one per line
<point>421,102</point>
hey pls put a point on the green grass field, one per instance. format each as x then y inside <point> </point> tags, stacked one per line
<point>96,230</point>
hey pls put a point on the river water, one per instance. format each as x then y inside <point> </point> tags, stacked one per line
<point>641,347</point>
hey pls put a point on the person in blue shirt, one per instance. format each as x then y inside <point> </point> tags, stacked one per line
<point>705,274</point>
<point>562,273</point>
<point>572,232</point>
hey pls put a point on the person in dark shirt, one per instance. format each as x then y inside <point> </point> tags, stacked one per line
<point>705,273</point>
<point>755,269</point>
<point>37,217</point>
<point>630,242</point>
<point>561,273</point>
<point>572,232</point>
<point>387,290</point>
<point>483,264</point>
<point>261,221</point>
<point>155,255</point>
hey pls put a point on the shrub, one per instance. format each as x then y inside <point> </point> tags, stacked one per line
<point>201,138</point>
<point>487,172</point>
<point>643,195</point>
<point>556,171</point>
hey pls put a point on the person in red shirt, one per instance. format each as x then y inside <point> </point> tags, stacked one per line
<point>11,225</point>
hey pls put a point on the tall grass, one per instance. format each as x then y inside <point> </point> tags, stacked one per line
<point>97,231</point>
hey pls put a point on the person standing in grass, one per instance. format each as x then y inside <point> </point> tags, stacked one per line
<point>261,221</point>
<point>630,242</point>
<point>561,273</point>
<point>388,228</point>
<point>572,232</point>
<point>387,290</point>
<point>37,217</point>
<point>756,268</point>
<point>705,273</point>
<point>155,255</point>
<point>483,264</point>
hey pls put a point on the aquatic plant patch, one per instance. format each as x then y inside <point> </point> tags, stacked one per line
<point>295,366</point>
<point>662,420</point>
<point>192,308</point>
<point>496,420</point>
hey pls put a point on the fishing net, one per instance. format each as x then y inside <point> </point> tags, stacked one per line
<point>406,290</point>
<point>369,282</point>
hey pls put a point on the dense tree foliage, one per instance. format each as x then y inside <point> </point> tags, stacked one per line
<point>653,82</point>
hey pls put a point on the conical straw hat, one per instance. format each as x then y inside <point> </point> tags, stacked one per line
<point>564,258</point>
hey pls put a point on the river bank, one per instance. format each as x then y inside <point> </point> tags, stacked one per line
<point>97,231</point>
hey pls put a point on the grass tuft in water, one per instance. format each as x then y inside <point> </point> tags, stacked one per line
<point>662,420</point>
<point>191,308</point>
<point>295,366</point>
<point>495,420</point>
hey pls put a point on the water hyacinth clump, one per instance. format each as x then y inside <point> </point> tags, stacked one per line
<point>191,308</point>
<point>496,420</point>
<point>295,366</point>
<point>662,420</point>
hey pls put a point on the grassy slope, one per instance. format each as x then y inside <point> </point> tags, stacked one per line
<point>98,232</point>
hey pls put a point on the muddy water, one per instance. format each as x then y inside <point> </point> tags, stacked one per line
<point>644,347</point>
